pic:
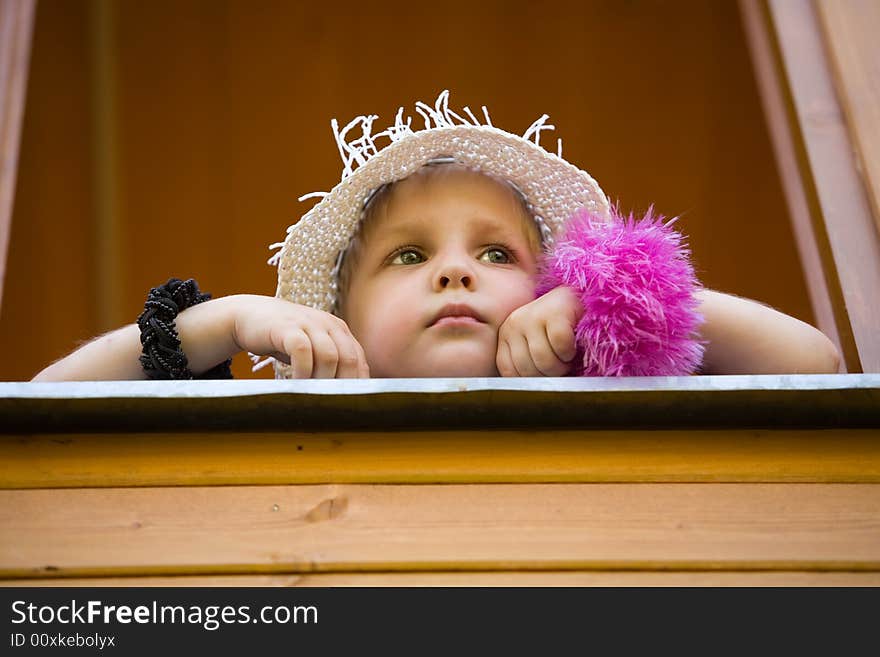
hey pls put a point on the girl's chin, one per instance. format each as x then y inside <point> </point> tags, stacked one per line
<point>458,372</point>
<point>454,372</point>
<point>451,363</point>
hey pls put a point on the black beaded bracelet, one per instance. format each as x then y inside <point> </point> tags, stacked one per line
<point>162,357</point>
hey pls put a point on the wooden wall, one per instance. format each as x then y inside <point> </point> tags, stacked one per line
<point>700,481</point>
<point>173,138</point>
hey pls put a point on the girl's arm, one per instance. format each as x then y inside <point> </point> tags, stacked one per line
<point>746,337</point>
<point>316,343</point>
<point>206,338</point>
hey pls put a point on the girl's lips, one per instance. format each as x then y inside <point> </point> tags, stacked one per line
<point>455,312</point>
<point>456,321</point>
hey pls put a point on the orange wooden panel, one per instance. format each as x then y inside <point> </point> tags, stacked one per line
<point>500,527</point>
<point>198,459</point>
<point>50,293</point>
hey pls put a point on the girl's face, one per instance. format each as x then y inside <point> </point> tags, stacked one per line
<point>448,257</point>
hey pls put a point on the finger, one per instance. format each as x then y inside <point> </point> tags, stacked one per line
<point>298,347</point>
<point>325,355</point>
<point>350,357</point>
<point>560,335</point>
<point>363,368</point>
<point>363,364</point>
<point>503,360</point>
<point>521,356</point>
<point>542,354</point>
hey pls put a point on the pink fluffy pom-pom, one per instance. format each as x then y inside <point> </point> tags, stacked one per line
<point>637,286</point>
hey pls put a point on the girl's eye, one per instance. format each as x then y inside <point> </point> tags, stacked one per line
<point>408,257</point>
<point>496,256</point>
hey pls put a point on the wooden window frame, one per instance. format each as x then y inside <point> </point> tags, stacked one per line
<point>16,34</point>
<point>821,139</point>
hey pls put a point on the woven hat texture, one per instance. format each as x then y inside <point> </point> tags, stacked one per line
<point>553,188</point>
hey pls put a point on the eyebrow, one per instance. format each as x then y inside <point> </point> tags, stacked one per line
<point>479,222</point>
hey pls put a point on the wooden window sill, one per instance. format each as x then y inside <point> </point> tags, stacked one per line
<point>838,400</point>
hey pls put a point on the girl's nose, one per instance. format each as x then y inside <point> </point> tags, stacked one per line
<point>453,273</point>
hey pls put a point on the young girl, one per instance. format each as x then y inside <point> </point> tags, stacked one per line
<point>461,250</point>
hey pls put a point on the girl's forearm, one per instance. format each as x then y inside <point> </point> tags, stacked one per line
<point>206,337</point>
<point>746,337</point>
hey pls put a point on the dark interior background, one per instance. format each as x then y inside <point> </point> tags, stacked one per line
<point>174,137</point>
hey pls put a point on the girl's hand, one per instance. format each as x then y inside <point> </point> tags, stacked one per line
<point>537,339</point>
<point>317,344</point>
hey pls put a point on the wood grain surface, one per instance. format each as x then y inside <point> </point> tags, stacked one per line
<point>851,29</point>
<point>501,527</point>
<point>183,459</point>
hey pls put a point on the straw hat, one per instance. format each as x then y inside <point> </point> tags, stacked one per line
<point>308,259</point>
